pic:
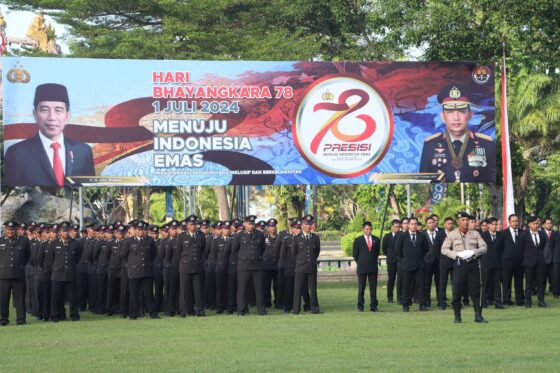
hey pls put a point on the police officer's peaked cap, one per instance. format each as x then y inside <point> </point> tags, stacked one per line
<point>173,224</point>
<point>261,223</point>
<point>455,96</point>
<point>191,219</point>
<point>463,214</point>
<point>64,225</point>
<point>307,219</point>
<point>295,223</point>
<point>250,219</point>
<point>272,222</point>
<point>11,224</point>
<point>51,92</point>
<point>154,228</point>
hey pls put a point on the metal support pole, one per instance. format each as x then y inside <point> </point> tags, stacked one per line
<point>184,190</point>
<point>192,201</point>
<point>247,200</point>
<point>463,194</point>
<point>408,203</point>
<point>314,193</point>
<point>81,203</point>
<point>240,199</point>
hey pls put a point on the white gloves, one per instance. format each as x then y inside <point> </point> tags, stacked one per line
<point>465,254</point>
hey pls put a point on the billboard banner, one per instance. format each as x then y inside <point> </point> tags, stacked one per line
<point>71,121</point>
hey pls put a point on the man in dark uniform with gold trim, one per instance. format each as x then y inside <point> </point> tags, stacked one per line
<point>459,153</point>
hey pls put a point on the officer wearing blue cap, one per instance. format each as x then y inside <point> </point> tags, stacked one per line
<point>459,153</point>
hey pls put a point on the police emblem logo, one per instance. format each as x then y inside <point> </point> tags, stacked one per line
<point>481,74</point>
<point>454,93</point>
<point>18,74</point>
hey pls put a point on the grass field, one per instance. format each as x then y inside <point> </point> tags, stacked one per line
<point>339,340</point>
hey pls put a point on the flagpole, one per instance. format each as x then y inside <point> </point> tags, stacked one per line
<point>508,201</point>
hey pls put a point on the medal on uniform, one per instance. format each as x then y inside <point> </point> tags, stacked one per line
<point>457,159</point>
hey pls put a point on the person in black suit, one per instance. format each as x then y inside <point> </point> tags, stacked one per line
<point>404,228</point>
<point>47,158</point>
<point>490,265</point>
<point>411,247</point>
<point>365,251</point>
<point>550,248</point>
<point>512,262</point>
<point>553,242</point>
<point>435,239</point>
<point>532,243</point>
<point>388,247</point>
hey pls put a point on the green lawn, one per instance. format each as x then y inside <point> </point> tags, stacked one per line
<point>339,340</point>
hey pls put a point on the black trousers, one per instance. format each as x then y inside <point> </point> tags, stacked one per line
<point>63,291</point>
<point>45,298</point>
<point>113,293</point>
<point>491,284</point>
<point>29,293</point>
<point>221,291</point>
<point>210,289</point>
<point>171,292</point>
<point>92,292</point>
<point>535,276</point>
<point>306,282</point>
<point>101,293</point>
<point>232,292</point>
<point>82,289</point>
<point>7,289</point>
<point>124,302</point>
<point>556,279</point>
<point>466,276</point>
<point>158,292</point>
<point>289,284</point>
<point>244,279</point>
<point>190,293</point>
<point>372,281</point>
<point>270,285</point>
<point>517,274</point>
<point>391,278</point>
<point>430,272</point>
<point>399,283</point>
<point>410,277</point>
<point>141,286</point>
<point>444,274</point>
<point>280,288</point>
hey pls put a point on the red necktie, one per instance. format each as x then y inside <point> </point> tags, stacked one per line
<point>57,165</point>
<point>369,243</point>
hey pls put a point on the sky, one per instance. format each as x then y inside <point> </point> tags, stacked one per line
<point>18,22</point>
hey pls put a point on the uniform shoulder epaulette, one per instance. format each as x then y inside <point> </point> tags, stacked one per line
<point>434,136</point>
<point>483,136</point>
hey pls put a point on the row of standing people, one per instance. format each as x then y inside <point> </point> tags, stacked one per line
<point>180,268</point>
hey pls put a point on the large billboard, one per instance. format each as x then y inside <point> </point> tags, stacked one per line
<point>74,121</point>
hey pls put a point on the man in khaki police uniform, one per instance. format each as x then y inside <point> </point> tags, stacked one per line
<point>465,246</point>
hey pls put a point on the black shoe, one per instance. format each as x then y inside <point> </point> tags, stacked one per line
<point>406,309</point>
<point>75,318</point>
<point>479,319</point>
<point>4,322</point>
<point>315,312</point>
<point>442,307</point>
<point>374,309</point>
<point>457,314</point>
<point>219,311</point>
<point>306,308</point>
<point>21,323</point>
<point>241,314</point>
<point>509,303</point>
<point>390,300</point>
<point>542,304</point>
<point>154,316</point>
<point>499,306</point>
<point>229,312</point>
<point>424,309</point>
<point>295,312</point>
<point>262,313</point>
<point>360,309</point>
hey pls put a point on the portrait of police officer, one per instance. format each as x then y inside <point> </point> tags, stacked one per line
<point>459,153</point>
<point>48,157</point>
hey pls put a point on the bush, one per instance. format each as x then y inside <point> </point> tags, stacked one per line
<point>347,241</point>
<point>329,235</point>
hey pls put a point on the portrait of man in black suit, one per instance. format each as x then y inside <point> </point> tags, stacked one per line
<point>47,158</point>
